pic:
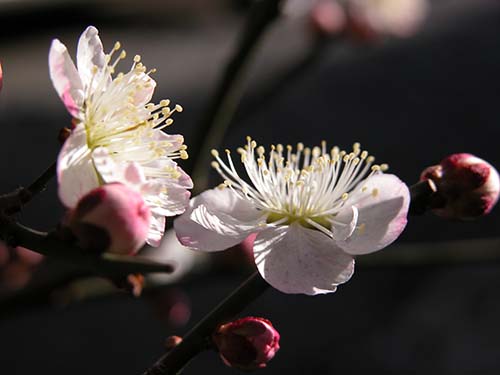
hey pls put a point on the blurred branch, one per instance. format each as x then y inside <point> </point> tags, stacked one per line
<point>228,92</point>
<point>421,195</point>
<point>109,265</point>
<point>198,338</point>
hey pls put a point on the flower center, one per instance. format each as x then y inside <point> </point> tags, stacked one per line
<point>309,186</point>
<point>116,116</point>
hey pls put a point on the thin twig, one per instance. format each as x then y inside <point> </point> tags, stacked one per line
<point>108,265</point>
<point>197,339</point>
<point>11,203</point>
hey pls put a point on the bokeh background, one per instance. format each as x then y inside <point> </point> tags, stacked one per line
<point>408,101</point>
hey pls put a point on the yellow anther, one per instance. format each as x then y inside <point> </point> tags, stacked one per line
<point>260,150</point>
<point>123,54</point>
<point>221,186</point>
<point>384,167</point>
<point>370,159</point>
<point>289,147</point>
<point>248,138</point>
<point>345,196</point>
<point>364,189</point>
<point>364,155</point>
<point>345,158</point>
<point>240,150</point>
<point>137,58</point>
<point>227,151</point>
<point>361,228</point>
<point>169,122</point>
<point>300,146</point>
<point>215,153</point>
<point>279,147</point>
<point>376,168</point>
<point>117,46</point>
<point>356,146</point>
<point>214,165</point>
<point>164,102</point>
<point>307,151</point>
<point>253,144</point>
<point>375,192</point>
<point>179,108</point>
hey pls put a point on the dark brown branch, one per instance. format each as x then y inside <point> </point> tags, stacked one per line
<point>198,338</point>
<point>11,203</point>
<point>108,265</point>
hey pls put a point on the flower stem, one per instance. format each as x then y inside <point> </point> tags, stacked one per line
<point>421,196</point>
<point>11,203</point>
<point>229,92</point>
<point>198,338</point>
<point>48,244</point>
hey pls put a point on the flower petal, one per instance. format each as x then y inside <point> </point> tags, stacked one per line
<point>65,77</point>
<point>75,170</point>
<point>217,219</point>
<point>156,230</point>
<point>345,223</point>
<point>383,208</point>
<point>89,54</point>
<point>294,259</point>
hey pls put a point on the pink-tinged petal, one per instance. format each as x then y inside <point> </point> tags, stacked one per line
<point>75,170</point>
<point>133,174</point>
<point>216,220</point>
<point>294,259</point>
<point>89,54</point>
<point>65,78</point>
<point>383,210</point>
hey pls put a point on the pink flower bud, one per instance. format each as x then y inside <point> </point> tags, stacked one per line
<point>111,218</point>
<point>467,186</point>
<point>247,343</point>
<point>327,18</point>
<point>1,77</point>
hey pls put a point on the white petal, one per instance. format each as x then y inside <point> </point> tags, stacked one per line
<point>145,84</point>
<point>156,230</point>
<point>108,170</point>
<point>345,223</point>
<point>89,54</point>
<point>65,77</point>
<point>75,170</point>
<point>294,259</point>
<point>216,220</point>
<point>383,208</point>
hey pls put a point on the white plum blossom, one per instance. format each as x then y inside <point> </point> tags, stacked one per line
<point>312,210</point>
<point>118,133</point>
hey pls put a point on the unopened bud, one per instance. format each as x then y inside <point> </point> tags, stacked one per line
<point>467,186</point>
<point>1,77</point>
<point>111,218</point>
<point>247,343</point>
<point>327,18</point>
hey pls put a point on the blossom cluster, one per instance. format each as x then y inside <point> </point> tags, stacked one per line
<point>312,210</point>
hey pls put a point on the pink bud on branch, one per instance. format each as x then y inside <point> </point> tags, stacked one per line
<point>467,186</point>
<point>111,218</point>
<point>247,343</point>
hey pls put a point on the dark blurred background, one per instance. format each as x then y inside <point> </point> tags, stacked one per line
<point>408,101</point>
